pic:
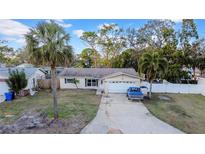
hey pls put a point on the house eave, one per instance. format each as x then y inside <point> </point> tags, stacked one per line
<point>120,73</point>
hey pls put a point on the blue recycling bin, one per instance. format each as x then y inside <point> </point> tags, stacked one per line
<point>13,95</point>
<point>9,96</point>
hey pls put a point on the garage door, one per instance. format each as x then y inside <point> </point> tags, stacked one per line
<point>119,86</point>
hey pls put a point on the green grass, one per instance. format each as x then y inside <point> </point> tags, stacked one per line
<point>70,104</point>
<point>184,111</point>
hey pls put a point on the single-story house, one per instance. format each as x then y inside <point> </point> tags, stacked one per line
<point>32,75</point>
<point>110,80</point>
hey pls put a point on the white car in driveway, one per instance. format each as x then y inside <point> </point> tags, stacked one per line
<point>144,90</point>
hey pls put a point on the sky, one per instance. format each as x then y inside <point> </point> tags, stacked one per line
<point>13,30</point>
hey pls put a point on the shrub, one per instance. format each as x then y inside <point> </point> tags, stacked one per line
<point>17,81</point>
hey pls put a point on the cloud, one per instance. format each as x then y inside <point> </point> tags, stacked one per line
<point>59,20</point>
<point>13,28</point>
<point>107,24</point>
<point>101,25</point>
<point>65,25</point>
<point>78,32</point>
<point>61,23</point>
<point>19,40</point>
<point>13,31</point>
<point>176,20</point>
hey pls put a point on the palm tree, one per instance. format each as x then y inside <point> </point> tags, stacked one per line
<point>152,65</point>
<point>47,44</point>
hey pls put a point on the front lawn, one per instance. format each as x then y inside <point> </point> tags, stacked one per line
<point>184,111</point>
<point>74,105</point>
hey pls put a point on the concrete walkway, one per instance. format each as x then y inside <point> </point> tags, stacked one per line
<point>117,114</point>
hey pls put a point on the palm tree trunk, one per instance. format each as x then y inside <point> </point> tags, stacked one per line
<point>150,89</point>
<point>95,61</point>
<point>54,92</point>
<point>95,58</point>
<point>194,73</point>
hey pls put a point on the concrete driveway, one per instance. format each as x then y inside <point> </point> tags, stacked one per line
<point>117,114</point>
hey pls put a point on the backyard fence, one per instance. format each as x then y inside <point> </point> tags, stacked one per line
<point>46,83</point>
<point>167,87</point>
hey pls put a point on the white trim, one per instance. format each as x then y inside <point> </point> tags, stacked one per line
<point>120,73</point>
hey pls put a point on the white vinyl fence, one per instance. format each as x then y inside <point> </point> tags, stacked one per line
<point>167,87</point>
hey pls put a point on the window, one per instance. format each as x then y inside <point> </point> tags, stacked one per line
<point>91,82</point>
<point>69,80</point>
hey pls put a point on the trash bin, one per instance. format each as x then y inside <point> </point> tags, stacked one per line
<point>13,95</point>
<point>9,96</point>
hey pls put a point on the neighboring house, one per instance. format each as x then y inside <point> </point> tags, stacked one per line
<point>111,80</point>
<point>25,65</point>
<point>32,75</point>
<point>2,65</point>
<point>48,71</point>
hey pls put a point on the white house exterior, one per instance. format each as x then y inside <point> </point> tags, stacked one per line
<point>32,75</point>
<point>111,80</point>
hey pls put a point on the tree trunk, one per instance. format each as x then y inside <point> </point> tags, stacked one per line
<point>95,58</point>
<point>150,89</point>
<point>194,73</point>
<point>54,92</point>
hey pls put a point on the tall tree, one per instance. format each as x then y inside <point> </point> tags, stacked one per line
<point>111,41</point>
<point>5,52</point>
<point>188,34</point>
<point>47,44</point>
<point>152,33</point>
<point>189,40</point>
<point>88,58</point>
<point>91,38</point>
<point>127,59</point>
<point>132,40</point>
<point>152,64</point>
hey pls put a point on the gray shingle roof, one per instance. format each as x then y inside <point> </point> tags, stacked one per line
<point>28,71</point>
<point>95,72</point>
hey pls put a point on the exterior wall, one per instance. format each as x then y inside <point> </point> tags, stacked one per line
<point>80,85</point>
<point>178,88</point>
<point>3,88</point>
<point>38,75</point>
<point>3,77</point>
